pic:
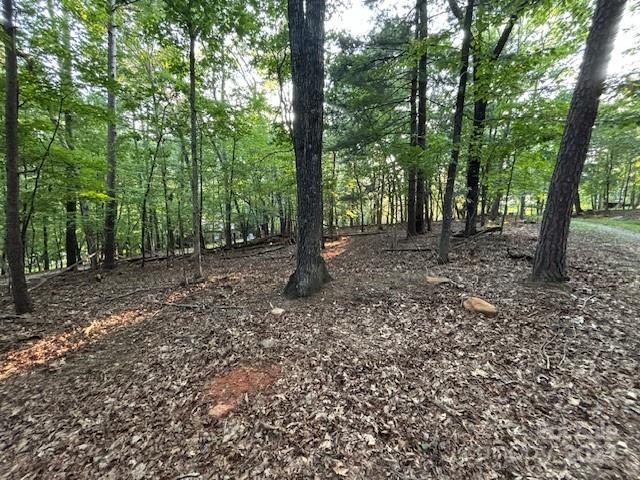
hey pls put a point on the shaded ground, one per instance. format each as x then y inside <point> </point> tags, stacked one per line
<point>379,376</point>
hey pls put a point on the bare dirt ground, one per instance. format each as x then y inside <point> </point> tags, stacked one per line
<point>379,376</point>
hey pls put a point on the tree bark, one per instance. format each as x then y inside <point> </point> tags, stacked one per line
<point>111,205</point>
<point>71,239</point>
<point>479,117</point>
<point>550,259</point>
<point>306,38</point>
<point>443,248</point>
<point>576,204</point>
<point>195,196</point>
<point>412,170</point>
<point>13,245</point>
<point>422,120</point>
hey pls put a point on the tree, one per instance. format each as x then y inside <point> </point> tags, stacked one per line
<point>306,38</point>
<point>14,247</point>
<point>412,171</point>
<point>447,214</point>
<point>421,194</point>
<point>111,206</point>
<point>195,191</point>
<point>550,258</point>
<point>481,66</point>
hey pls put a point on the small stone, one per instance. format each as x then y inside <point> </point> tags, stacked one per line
<point>277,311</point>
<point>268,343</point>
<point>477,305</point>
<point>437,280</point>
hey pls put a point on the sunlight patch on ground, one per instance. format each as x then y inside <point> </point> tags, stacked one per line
<point>335,249</point>
<point>55,346</point>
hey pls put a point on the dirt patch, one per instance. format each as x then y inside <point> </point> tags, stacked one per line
<point>227,390</point>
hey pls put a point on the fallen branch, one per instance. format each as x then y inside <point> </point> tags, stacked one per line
<point>478,233</point>
<point>519,255</point>
<point>187,475</point>
<point>64,270</point>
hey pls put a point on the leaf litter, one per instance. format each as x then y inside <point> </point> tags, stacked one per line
<point>381,375</point>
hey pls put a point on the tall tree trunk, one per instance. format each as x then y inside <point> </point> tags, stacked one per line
<point>550,258</point>
<point>306,38</point>
<point>147,191</point>
<point>111,205</point>
<point>443,249</point>
<point>195,196</point>
<point>66,79</point>
<point>479,117</point>
<point>13,245</point>
<point>412,171</point>
<point>422,119</point>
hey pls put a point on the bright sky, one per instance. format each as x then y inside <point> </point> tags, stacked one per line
<point>357,19</point>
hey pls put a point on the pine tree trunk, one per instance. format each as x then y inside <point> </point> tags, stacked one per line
<point>306,38</point>
<point>111,205</point>
<point>447,213</point>
<point>13,245</point>
<point>550,258</point>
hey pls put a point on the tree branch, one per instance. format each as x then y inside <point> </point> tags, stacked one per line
<point>456,10</point>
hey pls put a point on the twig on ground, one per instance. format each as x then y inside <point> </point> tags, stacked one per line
<point>187,475</point>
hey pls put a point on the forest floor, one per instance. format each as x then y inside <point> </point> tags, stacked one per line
<point>381,375</point>
<point>628,228</point>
